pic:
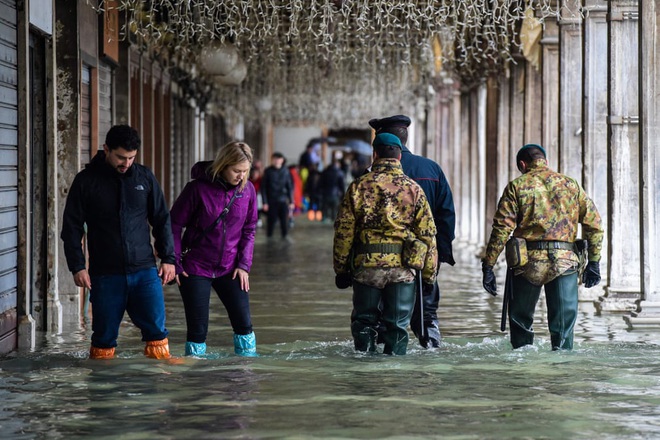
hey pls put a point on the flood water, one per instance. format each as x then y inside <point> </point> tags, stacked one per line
<point>308,383</point>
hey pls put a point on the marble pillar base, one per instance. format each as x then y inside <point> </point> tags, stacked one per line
<point>618,301</point>
<point>647,316</point>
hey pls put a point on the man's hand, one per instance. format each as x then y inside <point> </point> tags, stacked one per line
<point>81,279</point>
<point>167,272</point>
<point>343,280</point>
<point>591,275</point>
<point>489,280</point>
<point>264,208</point>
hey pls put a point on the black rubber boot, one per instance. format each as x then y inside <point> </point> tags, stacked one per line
<point>561,295</point>
<point>432,335</point>
<point>365,315</point>
<point>398,303</point>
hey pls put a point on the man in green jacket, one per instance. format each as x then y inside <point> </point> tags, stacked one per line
<point>545,208</point>
<point>382,210</point>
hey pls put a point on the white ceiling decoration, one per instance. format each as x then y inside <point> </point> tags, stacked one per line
<point>337,62</point>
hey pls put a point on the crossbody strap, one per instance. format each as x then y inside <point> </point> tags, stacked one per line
<point>208,229</point>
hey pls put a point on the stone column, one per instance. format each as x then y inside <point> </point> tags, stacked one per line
<point>455,145</point>
<point>624,286</point>
<point>464,216</point>
<point>480,221</point>
<point>570,94</point>
<point>473,171</point>
<point>67,56</point>
<point>517,106</point>
<point>595,151</point>
<point>549,136</point>
<point>648,313</point>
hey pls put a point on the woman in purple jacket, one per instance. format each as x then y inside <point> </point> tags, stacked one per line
<point>217,253</point>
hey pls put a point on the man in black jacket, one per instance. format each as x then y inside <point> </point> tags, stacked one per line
<point>117,200</point>
<point>277,195</point>
<point>430,177</point>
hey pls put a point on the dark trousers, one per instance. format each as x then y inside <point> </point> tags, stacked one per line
<point>430,301</point>
<point>277,211</point>
<point>196,294</point>
<point>392,306</point>
<point>562,300</point>
<point>330,207</point>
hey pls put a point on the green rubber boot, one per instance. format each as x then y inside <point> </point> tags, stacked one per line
<point>398,304</point>
<point>561,295</point>
<point>364,318</point>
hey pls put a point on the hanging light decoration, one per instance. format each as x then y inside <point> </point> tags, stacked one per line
<point>329,60</point>
<point>219,58</point>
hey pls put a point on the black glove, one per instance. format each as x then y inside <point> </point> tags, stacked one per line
<point>591,274</point>
<point>489,281</point>
<point>343,280</point>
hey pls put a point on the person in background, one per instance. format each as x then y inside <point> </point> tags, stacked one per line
<point>120,203</point>
<point>431,178</point>
<point>277,195</point>
<point>298,190</point>
<point>382,210</point>
<point>313,192</point>
<point>214,221</point>
<point>308,158</point>
<point>544,208</point>
<point>332,188</point>
<point>255,178</point>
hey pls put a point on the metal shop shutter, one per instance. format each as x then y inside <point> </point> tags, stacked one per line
<point>8,155</point>
<point>86,116</point>
<point>106,90</point>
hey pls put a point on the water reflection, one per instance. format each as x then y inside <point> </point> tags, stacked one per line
<point>309,383</point>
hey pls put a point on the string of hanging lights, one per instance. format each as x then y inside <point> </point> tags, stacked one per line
<point>335,61</point>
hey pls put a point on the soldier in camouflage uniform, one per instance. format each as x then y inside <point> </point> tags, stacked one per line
<point>431,178</point>
<point>544,207</point>
<point>380,211</point>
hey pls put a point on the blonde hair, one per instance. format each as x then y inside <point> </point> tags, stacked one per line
<point>229,155</point>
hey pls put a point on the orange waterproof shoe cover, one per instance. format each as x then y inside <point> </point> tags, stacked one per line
<point>101,353</point>
<point>310,215</point>
<point>319,216</point>
<point>158,349</point>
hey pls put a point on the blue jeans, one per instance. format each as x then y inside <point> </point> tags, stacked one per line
<point>196,294</point>
<point>140,294</point>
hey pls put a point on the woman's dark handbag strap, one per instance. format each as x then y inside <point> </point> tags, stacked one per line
<point>208,229</point>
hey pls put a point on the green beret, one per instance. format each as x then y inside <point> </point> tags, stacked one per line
<point>386,139</point>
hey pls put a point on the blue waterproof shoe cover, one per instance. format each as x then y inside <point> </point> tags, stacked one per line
<point>245,345</point>
<point>195,348</point>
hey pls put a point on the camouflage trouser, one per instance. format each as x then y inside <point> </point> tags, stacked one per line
<point>398,300</point>
<point>562,300</point>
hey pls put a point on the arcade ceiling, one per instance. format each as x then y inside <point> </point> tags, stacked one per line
<point>331,61</point>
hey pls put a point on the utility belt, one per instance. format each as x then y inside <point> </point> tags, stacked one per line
<point>516,250</point>
<point>412,251</point>
<point>544,245</point>
<point>378,248</point>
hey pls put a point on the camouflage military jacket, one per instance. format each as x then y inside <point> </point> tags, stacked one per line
<point>383,206</point>
<point>543,205</point>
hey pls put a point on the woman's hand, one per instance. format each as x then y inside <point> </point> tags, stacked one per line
<point>178,281</point>
<point>243,277</point>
